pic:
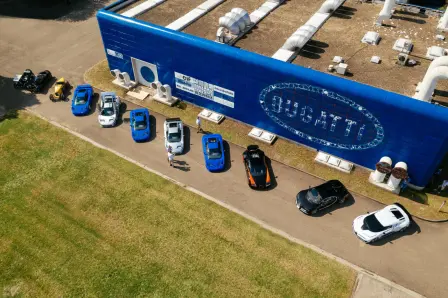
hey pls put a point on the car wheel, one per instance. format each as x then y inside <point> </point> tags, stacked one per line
<point>314,211</point>
<point>52,98</point>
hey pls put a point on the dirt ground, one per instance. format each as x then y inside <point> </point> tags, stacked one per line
<point>169,11</point>
<point>342,34</point>
<point>271,33</point>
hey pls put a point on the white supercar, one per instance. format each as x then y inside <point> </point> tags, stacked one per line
<point>379,224</point>
<point>109,109</point>
<point>173,129</point>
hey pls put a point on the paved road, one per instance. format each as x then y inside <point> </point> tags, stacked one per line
<point>416,259</point>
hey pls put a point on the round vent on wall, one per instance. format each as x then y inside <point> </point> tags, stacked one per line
<point>147,74</point>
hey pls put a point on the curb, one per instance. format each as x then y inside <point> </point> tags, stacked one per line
<point>280,162</point>
<point>261,223</point>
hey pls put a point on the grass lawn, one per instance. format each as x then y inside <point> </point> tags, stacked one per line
<point>76,220</point>
<point>420,203</point>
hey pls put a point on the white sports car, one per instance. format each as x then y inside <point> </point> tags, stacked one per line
<point>174,135</point>
<point>374,226</point>
<point>109,109</point>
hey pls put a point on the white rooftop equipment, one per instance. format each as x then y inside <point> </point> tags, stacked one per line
<point>403,45</point>
<point>436,52</point>
<point>371,37</point>
<point>375,59</point>
<point>342,68</point>
<point>338,59</point>
<point>438,70</point>
<point>236,23</point>
<point>440,37</point>
<point>443,22</point>
<point>262,135</point>
<point>193,15</point>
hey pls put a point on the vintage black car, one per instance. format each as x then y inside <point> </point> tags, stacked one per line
<point>34,83</point>
<point>312,200</point>
<point>256,168</point>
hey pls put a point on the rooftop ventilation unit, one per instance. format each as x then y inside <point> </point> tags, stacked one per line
<point>116,73</point>
<point>371,38</point>
<point>402,59</point>
<point>436,52</point>
<point>403,45</point>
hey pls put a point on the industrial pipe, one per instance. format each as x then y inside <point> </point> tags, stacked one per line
<point>386,12</point>
<point>430,82</point>
<point>329,6</point>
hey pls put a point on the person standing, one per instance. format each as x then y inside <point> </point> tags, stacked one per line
<point>198,124</point>
<point>170,158</point>
<point>442,187</point>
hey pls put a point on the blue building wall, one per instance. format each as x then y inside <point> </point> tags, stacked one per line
<point>356,122</point>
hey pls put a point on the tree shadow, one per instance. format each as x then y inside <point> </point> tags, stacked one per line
<point>414,228</point>
<point>13,99</point>
<point>62,10</point>
<point>336,206</point>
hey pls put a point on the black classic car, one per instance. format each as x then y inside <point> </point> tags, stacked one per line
<point>312,200</point>
<point>31,82</point>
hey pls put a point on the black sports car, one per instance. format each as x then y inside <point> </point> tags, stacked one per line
<point>31,82</point>
<point>311,200</point>
<point>256,168</point>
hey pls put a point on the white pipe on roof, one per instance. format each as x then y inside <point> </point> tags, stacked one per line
<point>386,12</point>
<point>429,83</point>
<point>329,6</point>
<point>443,22</point>
<point>299,38</point>
<point>439,61</point>
<point>242,14</point>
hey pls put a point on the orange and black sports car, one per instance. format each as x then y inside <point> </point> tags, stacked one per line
<point>256,168</point>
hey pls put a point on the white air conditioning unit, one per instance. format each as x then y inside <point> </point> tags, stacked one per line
<point>403,59</point>
<point>125,78</point>
<point>166,91</point>
<point>157,86</point>
<point>116,74</point>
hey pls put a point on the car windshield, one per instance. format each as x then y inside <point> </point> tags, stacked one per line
<point>372,223</point>
<point>139,125</point>
<point>174,137</point>
<point>214,153</point>
<point>80,99</point>
<point>107,111</point>
<point>313,196</point>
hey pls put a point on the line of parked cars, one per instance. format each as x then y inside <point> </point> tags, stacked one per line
<point>369,227</point>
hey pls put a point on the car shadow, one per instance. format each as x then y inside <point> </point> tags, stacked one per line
<point>271,174</point>
<point>48,86</point>
<point>336,206</point>
<point>227,156</point>
<point>187,139</point>
<point>94,104</point>
<point>181,165</point>
<point>153,127</point>
<point>123,110</point>
<point>414,228</point>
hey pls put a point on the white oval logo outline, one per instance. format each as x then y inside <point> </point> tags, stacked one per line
<point>379,129</point>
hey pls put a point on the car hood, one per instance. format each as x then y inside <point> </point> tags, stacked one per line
<point>107,119</point>
<point>177,147</point>
<point>80,108</point>
<point>215,163</point>
<point>301,199</point>
<point>365,235</point>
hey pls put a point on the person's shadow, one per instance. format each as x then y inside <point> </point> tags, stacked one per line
<point>181,165</point>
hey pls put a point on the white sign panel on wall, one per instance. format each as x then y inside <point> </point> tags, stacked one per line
<point>203,89</point>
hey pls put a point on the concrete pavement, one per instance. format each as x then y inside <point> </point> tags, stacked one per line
<point>415,259</point>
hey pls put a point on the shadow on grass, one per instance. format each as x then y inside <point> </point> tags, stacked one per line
<point>415,196</point>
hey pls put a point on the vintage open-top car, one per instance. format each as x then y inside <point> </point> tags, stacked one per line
<point>59,90</point>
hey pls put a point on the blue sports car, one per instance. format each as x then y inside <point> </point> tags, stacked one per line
<point>213,148</point>
<point>82,100</point>
<point>140,127</point>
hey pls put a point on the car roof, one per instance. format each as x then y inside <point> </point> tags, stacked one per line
<point>173,129</point>
<point>213,145</point>
<point>212,136</point>
<point>390,215</point>
<point>108,105</point>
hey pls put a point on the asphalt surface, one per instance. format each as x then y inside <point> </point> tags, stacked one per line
<point>416,259</point>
